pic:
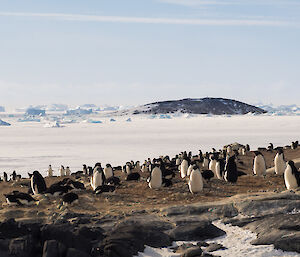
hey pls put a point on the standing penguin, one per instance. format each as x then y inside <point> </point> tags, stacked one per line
<point>212,165</point>
<point>68,171</point>
<point>196,181</point>
<point>291,176</point>
<point>50,171</point>
<point>280,164</point>
<point>62,171</point>
<point>137,166</point>
<point>108,171</point>
<point>38,184</point>
<point>220,165</point>
<point>84,170</point>
<point>98,178</point>
<point>145,167</point>
<point>231,173</point>
<point>5,177</point>
<point>259,165</point>
<point>156,178</point>
<point>184,167</point>
<point>205,163</point>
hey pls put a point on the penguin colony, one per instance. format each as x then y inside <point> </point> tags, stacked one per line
<point>196,170</point>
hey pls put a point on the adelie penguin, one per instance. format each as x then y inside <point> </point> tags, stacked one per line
<point>70,198</point>
<point>291,176</point>
<point>220,166</point>
<point>98,178</point>
<point>280,163</point>
<point>108,171</point>
<point>231,173</point>
<point>56,190</point>
<point>38,184</point>
<point>19,198</point>
<point>156,178</point>
<point>184,166</point>
<point>133,176</point>
<point>50,171</point>
<point>196,181</point>
<point>62,171</point>
<point>104,188</point>
<point>212,165</point>
<point>259,164</point>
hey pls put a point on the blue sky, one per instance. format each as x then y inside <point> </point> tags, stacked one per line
<point>139,51</point>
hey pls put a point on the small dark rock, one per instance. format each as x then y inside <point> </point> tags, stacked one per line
<point>214,247</point>
<point>52,248</point>
<point>192,252</point>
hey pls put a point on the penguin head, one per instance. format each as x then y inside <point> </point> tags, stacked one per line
<point>108,165</point>
<point>257,153</point>
<point>279,151</point>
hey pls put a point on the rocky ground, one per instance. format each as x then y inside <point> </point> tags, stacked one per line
<point>122,222</point>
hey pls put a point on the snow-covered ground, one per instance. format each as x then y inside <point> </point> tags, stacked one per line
<point>237,241</point>
<point>28,146</point>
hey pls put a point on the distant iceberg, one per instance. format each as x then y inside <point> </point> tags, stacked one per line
<point>129,120</point>
<point>92,121</point>
<point>29,119</point>
<point>35,112</point>
<point>79,111</point>
<point>164,116</point>
<point>54,124</point>
<point>2,109</point>
<point>112,120</point>
<point>4,123</point>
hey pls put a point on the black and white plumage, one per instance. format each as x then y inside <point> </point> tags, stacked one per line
<point>108,171</point>
<point>133,176</point>
<point>38,184</point>
<point>56,190</point>
<point>196,181</point>
<point>166,182</point>
<point>76,185</point>
<point>156,179</point>
<point>98,178</point>
<point>279,162</point>
<point>207,174</point>
<point>70,198</point>
<point>19,198</point>
<point>113,181</point>
<point>220,167</point>
<point>259,164</point>
<point>231,173</point>
<point>104,188</point>
<point>291,176</point>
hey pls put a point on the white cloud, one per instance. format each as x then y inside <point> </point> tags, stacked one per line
<point>146,20</point>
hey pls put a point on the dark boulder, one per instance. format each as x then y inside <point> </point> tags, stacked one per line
<point>201,230</point>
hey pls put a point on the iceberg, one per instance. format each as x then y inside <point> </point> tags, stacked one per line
<point>4,123</point>
<point>129,120</point>
<point>54,124</point>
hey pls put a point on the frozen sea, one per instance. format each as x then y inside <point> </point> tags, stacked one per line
<point>29,146</point>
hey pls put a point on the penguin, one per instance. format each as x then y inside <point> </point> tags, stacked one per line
<point>108,171</point>
<point>98,178</point>
<point>184,166</point>
<point>70,198</point>
<point>19,198</point>
<point>205,163</point>
<point>5,178</point>
<point>189,171</point>
<point>85,170</point>
<point>294,145</point>
<point>76,185</point>
<point>57,190</point>
<point>270,147</point>
<point>247,148</point>
<point>291,176</point>
<point>38,184</point>
<point>166,182</point>
<point>144,167</point>
<point>212,165</point>
<point>243,151</point>
<point>196,181</point>
<point>231,173</point>
<point>133,176</point>
<point>220,166</point>
<point>13,176</point>
<point>67,171</point>
<point>137,166</point>
<point>104,188</point>
<point>279,162</point>
<point>259,165</point>
<point>62,171</point>
<point>156,178</point>
<point>207,174</point>
<point>128,168</point>
<point>229,150</point>
<point>113,181</point>
<point>50,171</point>
<point>178,161</point>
